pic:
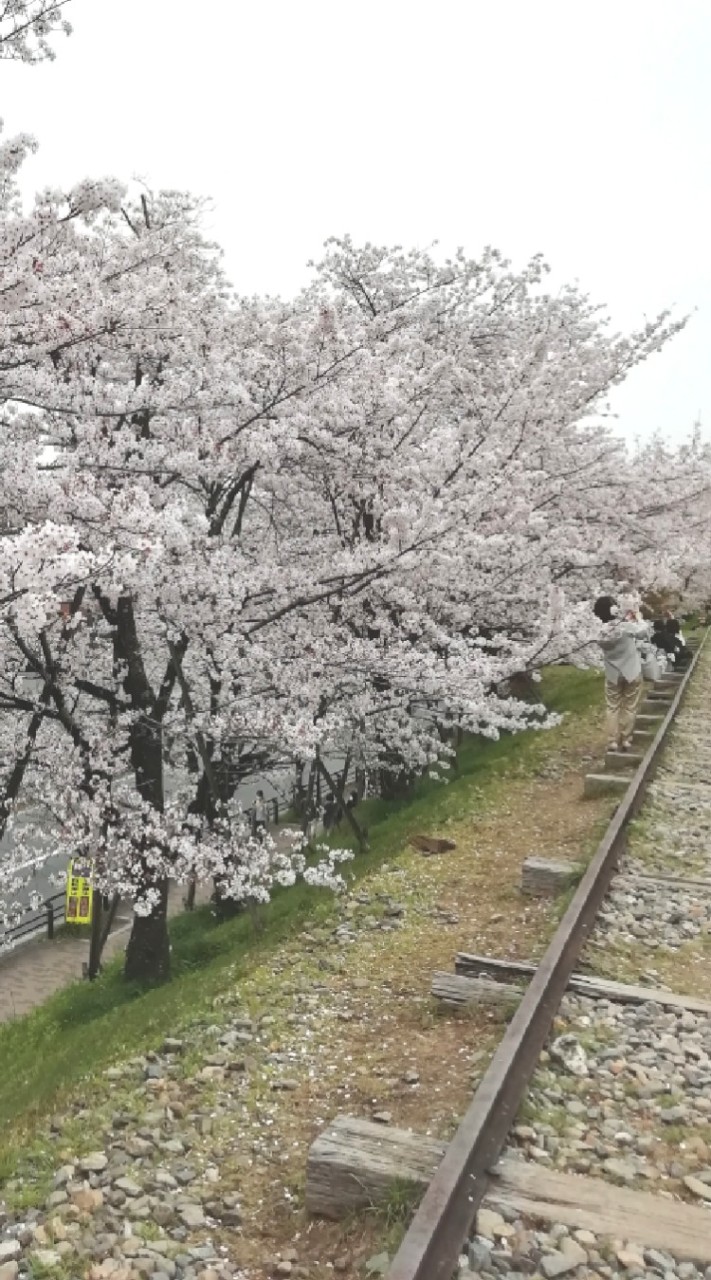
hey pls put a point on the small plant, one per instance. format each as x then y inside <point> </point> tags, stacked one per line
<point>40,1271</point>
<point>675,1134</point>
<point>395,1211</point>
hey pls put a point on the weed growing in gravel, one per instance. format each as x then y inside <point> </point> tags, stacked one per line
<point>40,1271</point>
<point>675,1134</point>
<point>668,1100</point>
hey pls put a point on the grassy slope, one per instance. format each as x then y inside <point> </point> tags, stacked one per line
<point>84,1028</point>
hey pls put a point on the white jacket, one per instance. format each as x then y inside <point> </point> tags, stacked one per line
<point>620,651</point>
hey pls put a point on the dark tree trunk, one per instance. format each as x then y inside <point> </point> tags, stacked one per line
<point>148,950</point>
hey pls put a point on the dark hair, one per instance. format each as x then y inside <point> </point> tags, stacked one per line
<point>659,624</point>
<point>673,626</point>
<point>603,607</point>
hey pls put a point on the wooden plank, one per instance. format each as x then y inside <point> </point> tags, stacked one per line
<point>622,760</point>
<point>601,784</point>
<point>502,970</point>
<point>531,1190</point>
<point>356,1163</point>
<point>626,993</point>
<point>684,882</point>
<point>462,991</point>
<point>546,877</point>
<point>581,984</point>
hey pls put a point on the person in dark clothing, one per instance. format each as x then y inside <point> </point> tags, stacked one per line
<point>662,639</point>
<point>673,630</point>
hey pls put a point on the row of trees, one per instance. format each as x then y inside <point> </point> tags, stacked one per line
<point>244,534</point>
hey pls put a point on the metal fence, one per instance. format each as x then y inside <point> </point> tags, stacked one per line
<point>42,919</point>
<point>46,918</point>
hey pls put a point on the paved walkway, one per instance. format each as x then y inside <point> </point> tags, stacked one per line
<point>33,971</point>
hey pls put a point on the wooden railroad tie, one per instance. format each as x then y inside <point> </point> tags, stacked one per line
<point>664,880</point>
<point>602,784</point>
<point>357,1164</point>
<point>473,969</point>
<point>547,877</point>
<point>466,993</point>
<point>616,760</point>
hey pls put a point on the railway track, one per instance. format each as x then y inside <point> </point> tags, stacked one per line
<point>586,1149</point>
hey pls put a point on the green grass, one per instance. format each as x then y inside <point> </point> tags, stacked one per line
<point>86,1027</point>
<point>394,1212</point>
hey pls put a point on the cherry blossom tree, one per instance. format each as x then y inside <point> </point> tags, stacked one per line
<point>292,531</point>
<point>26,27</point>
<point>247,536</point>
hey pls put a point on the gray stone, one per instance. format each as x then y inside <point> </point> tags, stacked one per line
<point>490,1224</point>
<point>97,1162</point>
<point>10,1250</point>
<point>574,1251</point>
<point>138,1147</point>
<point>128,1186</point>
<point>568,1050</point>
<point>192,1216</point>
<point>63,1176</point>
<point>620,1170</point>
<point>556,1264</point>
<point>479,1255</point>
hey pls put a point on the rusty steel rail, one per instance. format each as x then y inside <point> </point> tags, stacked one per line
<point>430,1249</point>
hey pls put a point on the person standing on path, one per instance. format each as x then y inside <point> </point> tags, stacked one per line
<point>623,670</point>
<point>259,821</point>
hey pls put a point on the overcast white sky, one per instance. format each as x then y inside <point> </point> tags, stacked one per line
<point>579,128</point>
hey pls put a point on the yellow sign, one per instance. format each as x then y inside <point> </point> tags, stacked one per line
<point>80,891</point>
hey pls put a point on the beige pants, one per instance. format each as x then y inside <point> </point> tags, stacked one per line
<point>622,701</point>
